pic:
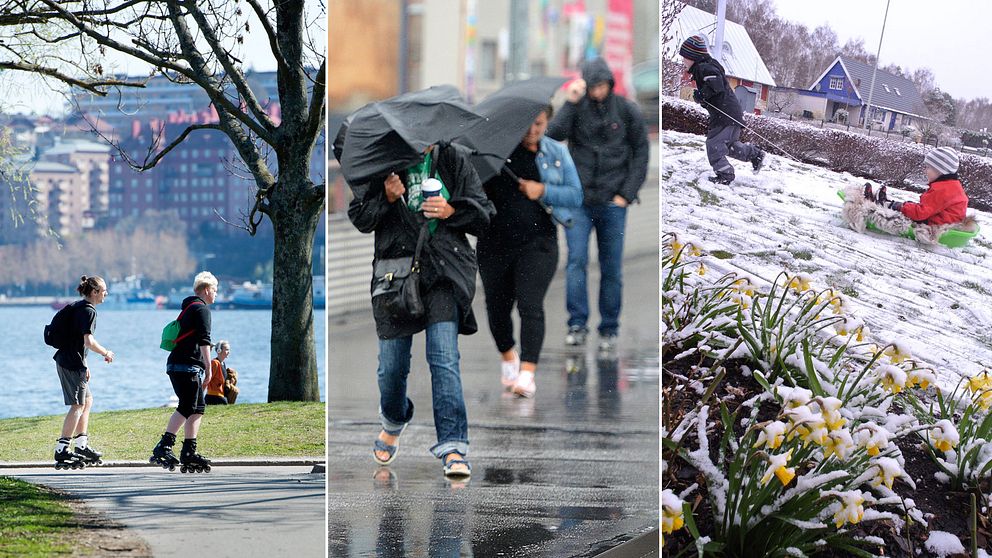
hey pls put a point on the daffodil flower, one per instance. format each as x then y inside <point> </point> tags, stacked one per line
<point>892,377</point>
<point>851,508</point>
<point>944,436</point>
<point>888,470</point>
<point>921,377</point>
<point>777,466</point>
<point>772,434</point>
<point>980,382</point>
<point>793,397</point>
<point>897,352</point>
<point>839,443</point>
<point>861,333</point>
<point>830,409</point>
<point>694,250</point>
<point>744,287</point>
<point>741,300</point>
<point>800,283</point>
<point>806,424</point>
<point>671,512</point>
<point>702,270</point>
<point>872,438</point>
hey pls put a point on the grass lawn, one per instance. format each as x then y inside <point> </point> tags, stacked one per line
<point>281,429</point>
<point>34,522</point>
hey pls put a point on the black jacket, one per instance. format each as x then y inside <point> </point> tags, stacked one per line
<point>197,320</point>
<point>447,255</point>
<point>82,321</point>
<point>715,93</point>
<point>608,140</point>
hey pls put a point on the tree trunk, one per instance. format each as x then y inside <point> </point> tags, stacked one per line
<point>294,210</point>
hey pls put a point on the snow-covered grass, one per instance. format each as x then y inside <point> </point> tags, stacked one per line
<point>935,301</point>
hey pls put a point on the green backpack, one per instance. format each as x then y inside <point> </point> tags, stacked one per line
<point>170,333</point>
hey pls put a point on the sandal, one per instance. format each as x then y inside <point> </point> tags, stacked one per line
<point>379,445</point>
<point>450,471</point>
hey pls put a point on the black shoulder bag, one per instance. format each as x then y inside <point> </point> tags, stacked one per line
<point>396,284</point>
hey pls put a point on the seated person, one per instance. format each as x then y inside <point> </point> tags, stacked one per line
<point>215,389</point>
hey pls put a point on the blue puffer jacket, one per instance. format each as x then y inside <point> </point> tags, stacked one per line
<point>562,189</point>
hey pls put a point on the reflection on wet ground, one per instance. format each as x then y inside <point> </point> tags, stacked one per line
<point>572,472</point>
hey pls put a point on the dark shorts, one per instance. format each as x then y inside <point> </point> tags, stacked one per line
<point>187,382</point>
<point>75,387</point>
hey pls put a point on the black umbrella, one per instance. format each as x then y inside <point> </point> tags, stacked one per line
<point>391,135</point>
<point>509,113</point>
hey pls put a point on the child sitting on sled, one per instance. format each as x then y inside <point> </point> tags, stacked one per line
<point>942,207</point>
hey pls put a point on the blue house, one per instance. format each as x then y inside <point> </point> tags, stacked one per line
<point>845,84</point>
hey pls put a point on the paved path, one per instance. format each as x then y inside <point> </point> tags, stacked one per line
<point>573,472</point>
<point>232,511</point>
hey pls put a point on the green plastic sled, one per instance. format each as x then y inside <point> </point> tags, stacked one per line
<point>952,238</point>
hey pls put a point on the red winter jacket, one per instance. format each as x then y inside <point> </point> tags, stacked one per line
<point>944,203</point>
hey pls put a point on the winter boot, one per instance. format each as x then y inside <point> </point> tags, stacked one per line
<point>882,197</point>
<point>162,454</point>
<point>758,161</point>
<point>192,461</point>
<point>723,178</point>
<point>869,195</point>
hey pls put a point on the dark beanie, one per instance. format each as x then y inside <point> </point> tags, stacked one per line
<point>694,48</point>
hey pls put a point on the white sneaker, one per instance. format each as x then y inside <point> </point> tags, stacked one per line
<point>510,369</point>
<point>525,386</point>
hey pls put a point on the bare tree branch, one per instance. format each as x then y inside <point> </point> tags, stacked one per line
<point>92,86</point>
<point>317,102</point>
<point>233,73</point>
<point>270,33</point>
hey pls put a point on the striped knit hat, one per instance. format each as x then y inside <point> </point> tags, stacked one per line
<point>694,48</point>
<point>943,159</point>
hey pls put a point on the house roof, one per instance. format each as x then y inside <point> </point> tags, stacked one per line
<point>891,92</point>
<point>739,58</point>
<point>52,166</point>
<point>77,146</point>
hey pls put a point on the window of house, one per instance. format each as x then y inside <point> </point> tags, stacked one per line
<point>837,83</point>
<point>487,61</point>
<point>887,90</point>
<point>148,198</point>
<point>897,91</point>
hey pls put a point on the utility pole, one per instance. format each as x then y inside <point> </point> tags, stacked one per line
<point>519,63</point>
<point>721,18</point>
<point>871,90</point>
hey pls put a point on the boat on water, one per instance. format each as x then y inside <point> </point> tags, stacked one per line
<point>253,296</point>
<point>126,294</point>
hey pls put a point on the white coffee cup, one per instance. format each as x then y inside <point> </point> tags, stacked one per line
<point>431,187</point>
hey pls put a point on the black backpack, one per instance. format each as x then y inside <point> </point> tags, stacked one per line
<point>57,332</point>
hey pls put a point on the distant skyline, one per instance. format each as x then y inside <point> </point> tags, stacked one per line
<point>947,37</point>
<point>24,93</point>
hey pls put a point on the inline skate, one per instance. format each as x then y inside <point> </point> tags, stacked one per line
<point>192,462</point>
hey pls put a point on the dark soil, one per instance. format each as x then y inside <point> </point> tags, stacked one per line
<point>944,509</point>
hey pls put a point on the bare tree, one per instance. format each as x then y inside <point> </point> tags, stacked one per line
<point>780,100</point>
<point>197,42</point>
<point>671,69</point>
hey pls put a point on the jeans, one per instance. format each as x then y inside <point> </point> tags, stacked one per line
<point>396,409</point>
<point>609,221</point>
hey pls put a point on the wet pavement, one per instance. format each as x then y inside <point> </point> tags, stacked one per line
<point>572,472</point>
<point>231,511</point>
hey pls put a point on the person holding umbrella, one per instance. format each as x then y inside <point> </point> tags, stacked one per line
<point>398,209</point>
<point>609,144</point>
<point>518,256</point>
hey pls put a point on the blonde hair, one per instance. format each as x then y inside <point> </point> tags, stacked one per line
<point>204,279</point>
<point>221,345</point>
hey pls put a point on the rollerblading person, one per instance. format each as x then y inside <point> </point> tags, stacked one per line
<point>71,332</point>
<point>193,462</point>
<point>163,455</point>
<point>189,371</point>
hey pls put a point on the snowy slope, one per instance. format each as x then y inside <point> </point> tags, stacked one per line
<point>936,300</point>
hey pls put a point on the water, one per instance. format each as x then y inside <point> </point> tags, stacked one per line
<point>29,384</point>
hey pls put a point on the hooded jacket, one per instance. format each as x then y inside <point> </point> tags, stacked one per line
<point>447,254</point>
<point>608,140</point>
<point>943,203</point>
<point>715,93</point>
